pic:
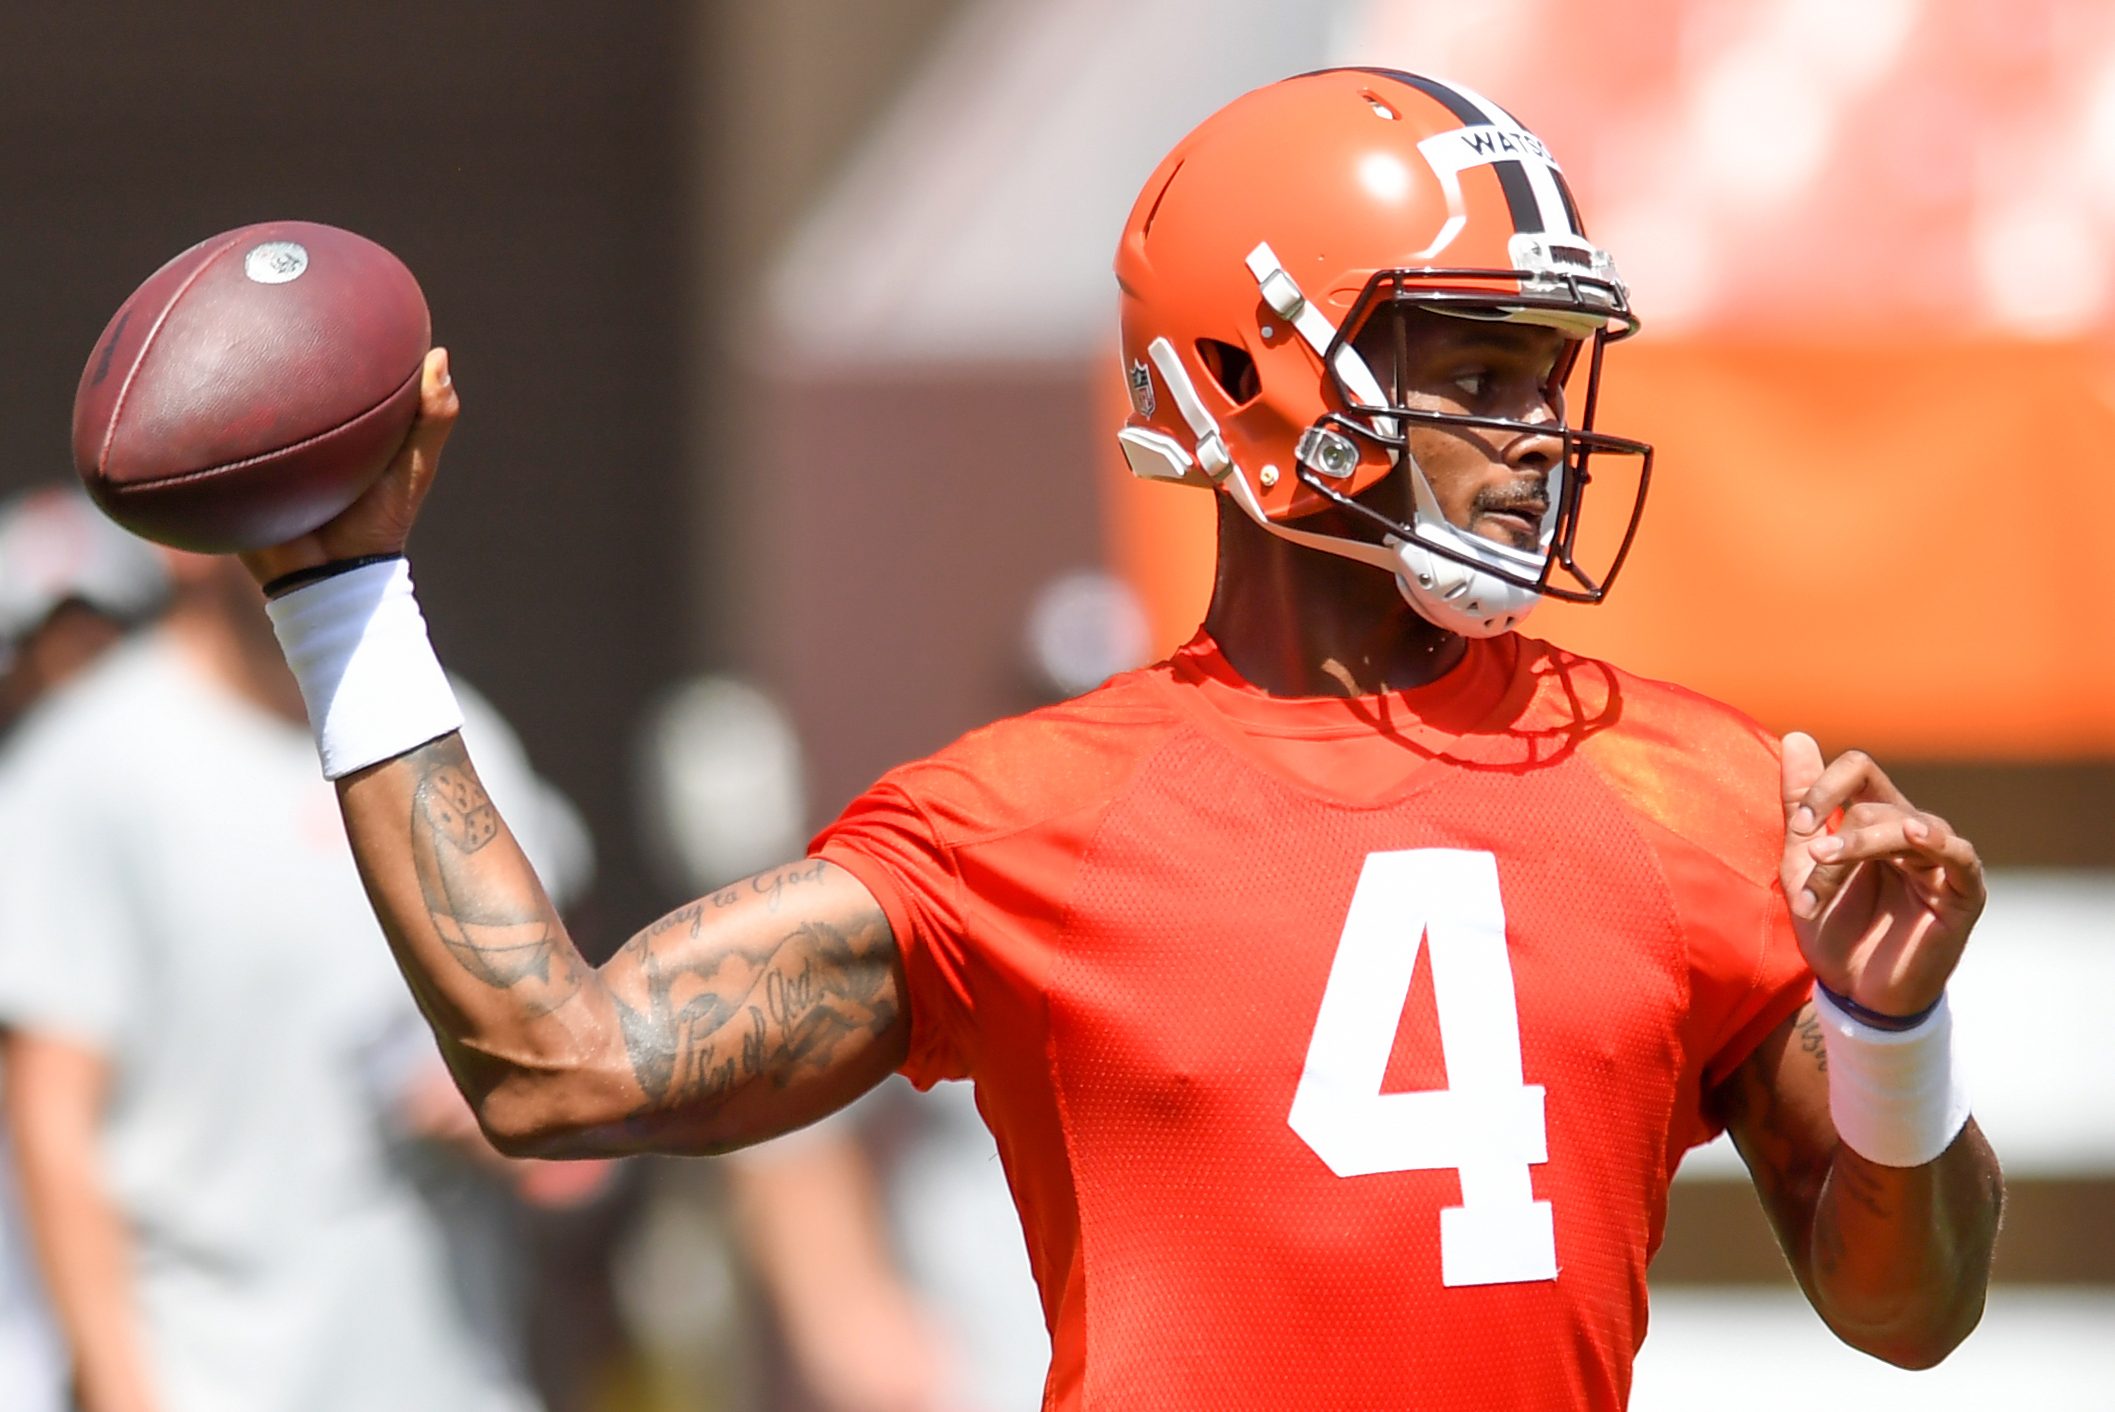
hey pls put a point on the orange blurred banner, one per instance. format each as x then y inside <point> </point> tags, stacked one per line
<point>1908,548</point>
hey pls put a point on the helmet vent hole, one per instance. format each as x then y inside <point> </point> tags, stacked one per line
<point>1380,107</point>
<point>1232,368</point>
<point>1146,227</point>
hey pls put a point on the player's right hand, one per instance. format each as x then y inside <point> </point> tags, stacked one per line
<point>379,522</point>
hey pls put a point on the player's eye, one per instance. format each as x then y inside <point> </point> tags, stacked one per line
<point>1473,385</point>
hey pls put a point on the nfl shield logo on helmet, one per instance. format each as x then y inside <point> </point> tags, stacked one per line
<point>1141,380</point>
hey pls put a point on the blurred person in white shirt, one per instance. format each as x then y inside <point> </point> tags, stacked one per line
<point>71,586</point>
<point>249,1184</point>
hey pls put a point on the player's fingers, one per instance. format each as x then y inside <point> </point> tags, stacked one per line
<point>1812,892</point>
<point>435,376</point>
<point>439,406</point>
<point>1864,813</point>
<point>1895,833</point>
<point>1851,777</point>
<point>1817,865</point>
<point>1800,768</point>
<point>439,402</point>
<point>1953,869</point>
<point>1939,866</point>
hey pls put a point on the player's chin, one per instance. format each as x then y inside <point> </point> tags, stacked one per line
<point>1514,531</point>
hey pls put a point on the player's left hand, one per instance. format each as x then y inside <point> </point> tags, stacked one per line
<point>1882,905</point>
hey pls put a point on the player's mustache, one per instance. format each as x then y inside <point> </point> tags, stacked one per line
<point>1521,497</point>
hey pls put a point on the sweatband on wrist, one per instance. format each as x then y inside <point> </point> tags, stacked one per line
<point>356,642</point>
<point>1896,1095</point>
<point>1878,1019</point>
<point>287,582</point>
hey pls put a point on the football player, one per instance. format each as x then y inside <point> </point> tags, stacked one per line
<point>1343,991</point>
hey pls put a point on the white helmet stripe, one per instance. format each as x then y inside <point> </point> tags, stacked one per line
<point>1541,176</point>
<point>1289,303</point>
<point>1534,192</point>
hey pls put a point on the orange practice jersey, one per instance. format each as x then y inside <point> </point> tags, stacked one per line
<point>1339,1052</point>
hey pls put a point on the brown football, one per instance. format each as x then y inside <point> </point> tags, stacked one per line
<point>252,388</point>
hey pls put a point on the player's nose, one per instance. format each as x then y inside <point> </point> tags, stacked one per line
<point>1539,447</point>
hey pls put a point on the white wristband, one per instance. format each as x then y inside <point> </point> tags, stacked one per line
<point>1896,1095</point>
<point>357,644</point>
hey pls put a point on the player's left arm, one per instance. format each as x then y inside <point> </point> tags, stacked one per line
<point>1891,1244</point>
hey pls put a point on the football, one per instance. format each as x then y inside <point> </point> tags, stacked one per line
<point>252,388</point>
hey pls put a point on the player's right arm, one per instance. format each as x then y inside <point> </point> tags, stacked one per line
<point>742,1015</point>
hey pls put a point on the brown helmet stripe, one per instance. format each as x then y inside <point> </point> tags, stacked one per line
<point>1520,200</point>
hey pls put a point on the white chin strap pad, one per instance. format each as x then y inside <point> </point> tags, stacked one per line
<point>1445,592</point>
<point>1458,591</point>
<point>1449,594</point>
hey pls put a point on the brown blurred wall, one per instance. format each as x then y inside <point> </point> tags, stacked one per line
<point>785,91</point>
<point>575,186</point>
<point>894,522</point>
<point>526,163</point>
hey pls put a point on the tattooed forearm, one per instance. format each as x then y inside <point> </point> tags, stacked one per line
<point>1856,1180</point>
<point>1811,1043</point>
<point>1894,1259</point>
<point>453,800</point>
<point>498,930</point>
<point>778,1008</point>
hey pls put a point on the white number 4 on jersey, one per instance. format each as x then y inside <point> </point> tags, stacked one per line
<point>1486,1124</point>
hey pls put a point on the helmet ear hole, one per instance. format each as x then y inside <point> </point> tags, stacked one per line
<point>1232,369</point>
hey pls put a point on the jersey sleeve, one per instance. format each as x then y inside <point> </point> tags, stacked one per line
<point>1742,1014</point>
<point>1702,782</point>
<point>886,841</point>
<point>1746,972</point>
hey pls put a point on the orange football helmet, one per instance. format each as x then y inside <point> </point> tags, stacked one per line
<point>1265,241</point>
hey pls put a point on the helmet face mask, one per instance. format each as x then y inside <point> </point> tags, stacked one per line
<point>1564,565</point>
<point>1385,193</point>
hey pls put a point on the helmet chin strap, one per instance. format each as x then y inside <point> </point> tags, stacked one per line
<point>1446,592</point>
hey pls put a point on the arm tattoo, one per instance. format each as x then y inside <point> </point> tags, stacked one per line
<point>1772,1140</point>
<point>1861,1184</point>
<point>478,906</point>
<point>1808,1031</point>
<point>777,1009</point>
<point>1788,1176</point>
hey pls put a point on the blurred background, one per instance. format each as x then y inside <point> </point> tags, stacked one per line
<point>785,336</point>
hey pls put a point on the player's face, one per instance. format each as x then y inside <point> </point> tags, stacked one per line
<point>1490,481</point>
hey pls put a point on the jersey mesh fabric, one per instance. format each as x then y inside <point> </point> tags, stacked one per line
<point>1119,916</point>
